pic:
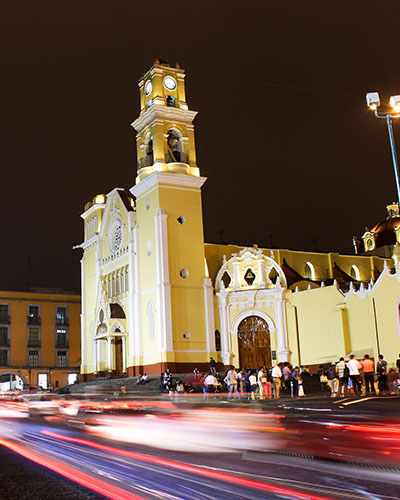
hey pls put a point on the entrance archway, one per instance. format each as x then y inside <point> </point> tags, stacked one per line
<point>254,343</point>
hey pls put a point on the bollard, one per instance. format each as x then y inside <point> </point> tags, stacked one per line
<point>291,388</point>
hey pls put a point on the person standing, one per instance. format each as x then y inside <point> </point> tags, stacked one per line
<point>398,363</point>
<point>247,381</point>
<point>276,380</point>
<point>354,367</point>
<point>381,370</point>
<point>241,382</point>
<point>342,373</point>
<point>261,379</point>
<point>323,379</point>
<point>295,380</point>
<point>253,385</point>
<point>232,379</point>
<point>333,379</point>
<point>369,374</point>
<point>287,376</point>
<point>212,366</point>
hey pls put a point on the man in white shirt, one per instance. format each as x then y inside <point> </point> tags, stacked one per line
<point>253,385</point>
<point>276,380</point>
<point>210,382</point>
<point>232,379</point>
<point>354,367</point>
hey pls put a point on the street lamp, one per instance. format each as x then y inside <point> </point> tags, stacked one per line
<point>373,102</point>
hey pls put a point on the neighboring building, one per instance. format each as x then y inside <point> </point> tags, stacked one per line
<point>39,338</point>
<point>154,295</point>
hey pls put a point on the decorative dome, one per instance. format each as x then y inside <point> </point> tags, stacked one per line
<point>383,234</point>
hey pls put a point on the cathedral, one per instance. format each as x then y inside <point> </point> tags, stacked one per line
<point>156,296</point>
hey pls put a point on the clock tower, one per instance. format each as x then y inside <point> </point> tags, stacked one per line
<point>174,296</point>
<point>165,134</point>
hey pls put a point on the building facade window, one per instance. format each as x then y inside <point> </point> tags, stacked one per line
<point>61,359</point>
<point>62,315</point>
<point>4,314</point>
<point>33,358</point>
<point>4,336</point>
<point>309,271</point>
<point>3,357</point>
<point>33,315</point>
<point>61,337</point>
<point>34,336</point>
<point>355,273</point>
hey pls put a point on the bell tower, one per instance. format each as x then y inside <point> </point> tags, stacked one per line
<point>173,292</point>
<point>165,133</point>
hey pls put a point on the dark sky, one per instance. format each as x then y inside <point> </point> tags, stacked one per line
<point>283,133</point>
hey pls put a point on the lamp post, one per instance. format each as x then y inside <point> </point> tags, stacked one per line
<point>373,102</point>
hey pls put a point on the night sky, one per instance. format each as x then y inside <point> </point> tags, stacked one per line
<point>291,152</point>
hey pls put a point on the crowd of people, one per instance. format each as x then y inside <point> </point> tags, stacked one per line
<point>359,376</point>
<point>249,383</point>
<point>342,378</point>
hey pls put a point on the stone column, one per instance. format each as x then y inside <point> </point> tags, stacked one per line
<point>163,286</point>
<point>281,330</point>
<point>225,334</point>
<point>123,353</point>
<point>109,353</point>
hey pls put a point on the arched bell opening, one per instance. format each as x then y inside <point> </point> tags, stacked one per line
<point>148,151</point>
<point>175,148</point>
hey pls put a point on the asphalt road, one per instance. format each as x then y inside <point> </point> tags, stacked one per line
<point>99,468</point>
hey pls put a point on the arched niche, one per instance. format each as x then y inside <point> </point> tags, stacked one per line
<point>174,147</point>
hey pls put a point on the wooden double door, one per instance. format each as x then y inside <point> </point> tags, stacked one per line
<point>254,343</point>
<point>117,342</point>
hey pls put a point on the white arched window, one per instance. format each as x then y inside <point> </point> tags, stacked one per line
<point>309,271</point>
<point>355,273</point>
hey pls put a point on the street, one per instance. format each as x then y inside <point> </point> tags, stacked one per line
<point>89,451</point>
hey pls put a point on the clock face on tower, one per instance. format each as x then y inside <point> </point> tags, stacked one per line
<point>170,83</point>
<point>148,87</point>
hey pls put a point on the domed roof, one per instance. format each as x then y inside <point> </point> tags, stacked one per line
<point>384,233</point>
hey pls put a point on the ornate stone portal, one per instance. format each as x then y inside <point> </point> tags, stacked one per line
<point>252,285</point>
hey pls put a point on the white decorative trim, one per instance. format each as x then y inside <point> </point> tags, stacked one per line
<point>260,264</point>
<point>162,113</point>
<point>209,313</point>
<point>252,312</point>
<point>135,337</point>
<point>163,309</point>
<point>164,179</point>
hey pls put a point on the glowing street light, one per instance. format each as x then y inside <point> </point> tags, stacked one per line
<point>373,102</point>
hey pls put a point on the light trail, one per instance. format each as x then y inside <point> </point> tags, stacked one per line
<point>192,469</point>
<point>97,485</point>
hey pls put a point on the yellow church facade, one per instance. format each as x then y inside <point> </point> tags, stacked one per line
<point>154,295</point>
